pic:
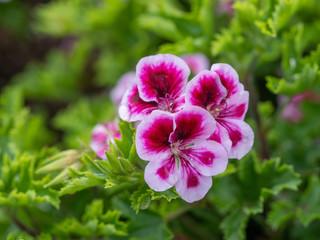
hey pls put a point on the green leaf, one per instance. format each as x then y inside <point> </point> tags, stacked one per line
<point>78,119</point>
<point>162,26</point>
<point>141,198</point>
<point>59,161</point>
<point>43,81</point>
<point>277,17</point>
<point>17,121</point>
<point>92,166</point>
<point>21,186</point>
<point>269,179</point>
<point>94,222</point>
<point>19,235</point>
<point>280,213</point>
<point>127,139</point>
<point>81,183</point>
<point>309,204</point>
<point>306,79</point>
<point>11,100</point>
<point>243,193</point>
<point>93,210</point>
<point>30,197</point>
<point>143,226</point>
<point>234,225</point>
<point>169,194</point>
<point>267,27</point>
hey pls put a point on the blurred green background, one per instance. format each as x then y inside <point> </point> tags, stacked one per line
<point>58,61</point>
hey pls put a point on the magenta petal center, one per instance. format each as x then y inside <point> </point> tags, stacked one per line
<point>216,109</point>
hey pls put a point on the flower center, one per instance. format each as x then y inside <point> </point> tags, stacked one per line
<point>166,103</point>
<point>216,109</point>
<point>175,148</point>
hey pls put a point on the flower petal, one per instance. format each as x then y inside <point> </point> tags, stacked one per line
<point>161,75</point>
<point>192,124</point>
<point>152,136</point>
<point>241,136</point>
<point>292,113</point>
<point>161,174</point>
<point>99,134</point>
<point>133,108</point>
<point>205,90</point>
<point>236,106</point>
<point>99,149</point>
<point>123,84</point>
<point>196,62</point>
<point>229,78</point>
<point>209,158</point>
<point>192,186</point>
<point>221,136</point>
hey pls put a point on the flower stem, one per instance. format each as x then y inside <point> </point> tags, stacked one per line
<point>253,106</point>
<point>20,224</point>
<point>179,212</point>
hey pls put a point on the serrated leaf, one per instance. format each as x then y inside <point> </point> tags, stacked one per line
<point>93,210</point>
<point>19,235</point>
<point>112,164</point>
<point>280,213</point>
<point>307,78</point>
<point>133,154</point>
<point>234,225</point>
<point>127,139</point>
<point>269,179</point>
<point>78,184</point>
<point>309,204</point>
<point>169,194</point>
<point>58,161</point>
<point>267,27</point>
<point>60,177</point>
<point>145,225</point>
<point>92,166</point>
<point>243,193</point>
<point>30,197</point>
<point>79,118</point>
<point>140,198</point>
<point>277,16</point>
<point>95,222</point>
<point>45,195</point>
<point>160,25</point>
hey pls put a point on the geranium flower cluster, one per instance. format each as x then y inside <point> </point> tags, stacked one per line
<point>292,111</point>
<point>101,136</point>
<point>187,130</point>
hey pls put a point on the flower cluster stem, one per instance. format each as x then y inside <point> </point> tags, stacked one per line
<point>253,106</point>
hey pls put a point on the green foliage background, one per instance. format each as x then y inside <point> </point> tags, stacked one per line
<point>53,187</point>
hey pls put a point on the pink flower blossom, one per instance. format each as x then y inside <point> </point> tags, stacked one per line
<point>226,7</point>
<point>196,62</point>
<point>179,153</point>
<point>123,84</point>
<point>101,136</point>
<point>292,111</point>
<point>222,95</point>
<point>160,84</point>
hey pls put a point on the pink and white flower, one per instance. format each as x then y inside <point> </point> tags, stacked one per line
<point>123,84</point>
<point>179,152</point>
<point>292,111</point>
<point>222,95</point>
<point>226,7</point>
<point>160,84</point>
<point>101,136</point>
<point>196,62</point>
